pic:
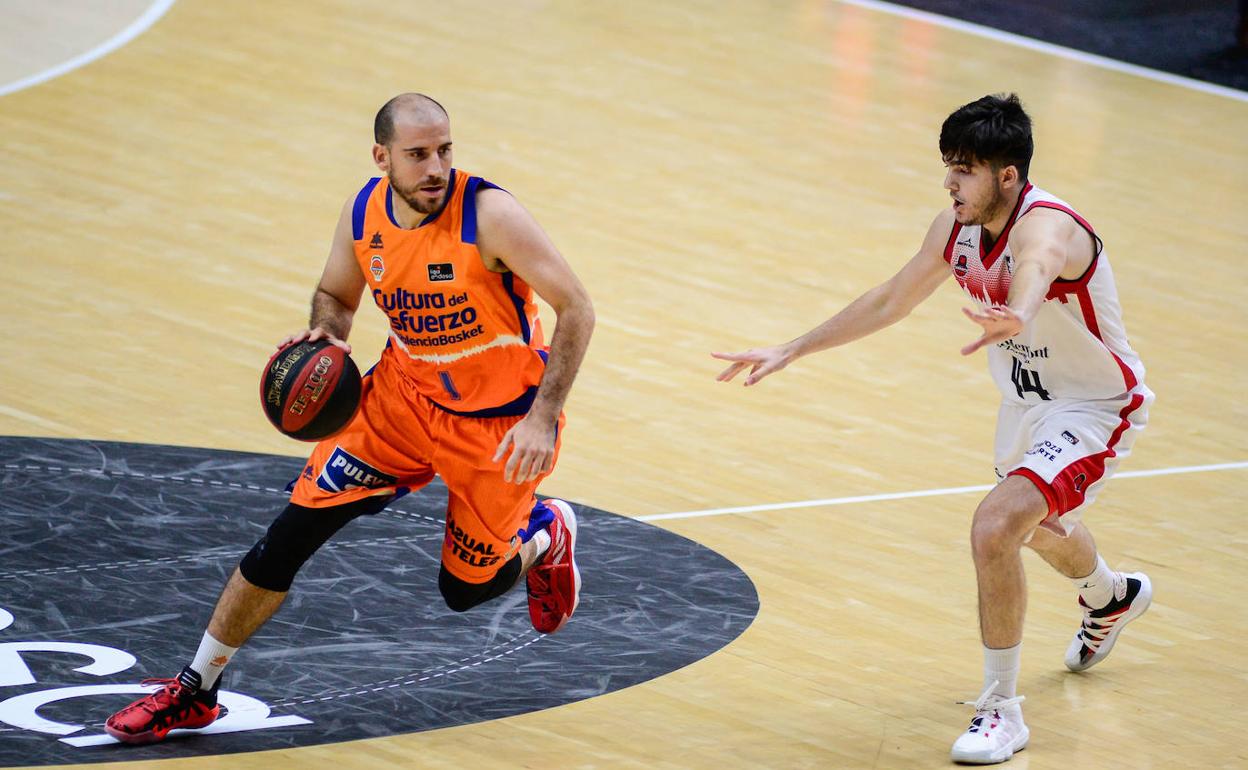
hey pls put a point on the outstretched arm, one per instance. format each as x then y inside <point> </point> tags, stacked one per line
<point>882,306</point>
<point>509,236</point>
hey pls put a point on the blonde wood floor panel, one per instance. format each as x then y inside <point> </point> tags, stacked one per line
<point>721,175</point>
<point>36,37</point>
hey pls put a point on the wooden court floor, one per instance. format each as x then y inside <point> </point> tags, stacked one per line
<point>721,175</point>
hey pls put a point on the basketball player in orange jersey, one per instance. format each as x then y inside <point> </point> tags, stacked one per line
<point>465,389</point>
<point>1072,390</point>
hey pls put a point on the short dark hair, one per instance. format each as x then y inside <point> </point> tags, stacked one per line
<point>383,124</point>
<point>993,130</point>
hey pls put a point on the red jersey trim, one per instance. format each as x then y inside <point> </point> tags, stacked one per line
<point>1089,319</point>
<point>997,248</point>
<point>1097,247</point>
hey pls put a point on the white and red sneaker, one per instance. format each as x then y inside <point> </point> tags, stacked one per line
<point>996,732</point>
<point>554,583</point>
<point>1100,627</point>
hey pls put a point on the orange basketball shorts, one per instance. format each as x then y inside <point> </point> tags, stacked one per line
<point>398,441</point>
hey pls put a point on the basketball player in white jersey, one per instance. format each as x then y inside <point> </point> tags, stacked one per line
<point>1073,397</point>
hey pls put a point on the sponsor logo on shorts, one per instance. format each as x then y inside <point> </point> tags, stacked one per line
<point>1046,449</point>
<point>442,271</point>
<point>1079,481</point>
<point>1070,437</point>
<point>470,550</point>
<point>345,471</point>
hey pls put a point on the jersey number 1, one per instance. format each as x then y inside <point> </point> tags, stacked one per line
<point>1027,381</point>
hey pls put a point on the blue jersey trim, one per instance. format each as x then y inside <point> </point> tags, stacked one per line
<point>390,206</point>
<point>468,230</point>
<point>519,406</point>
<point>515,408</point>
<point>449,386</point>
<point>509,283</point>
<point>361,204</point>
<point>450,190</point>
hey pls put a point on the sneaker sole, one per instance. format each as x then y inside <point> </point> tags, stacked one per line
<point>1142,602</point>
<point>136,739</point>
<point>569,521</point>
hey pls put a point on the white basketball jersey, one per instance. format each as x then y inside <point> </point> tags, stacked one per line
<point>1076,346</point>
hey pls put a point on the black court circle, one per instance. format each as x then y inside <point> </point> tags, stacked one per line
<point>114,554</point>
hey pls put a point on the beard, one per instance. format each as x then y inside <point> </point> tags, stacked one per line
<point>993,208</point>
<point>413,196</point>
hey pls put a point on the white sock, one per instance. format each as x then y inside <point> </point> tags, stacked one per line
<point>1097,589</point>
<point>210,659</point>
<point>541,540</point>
<point>1002,667</point>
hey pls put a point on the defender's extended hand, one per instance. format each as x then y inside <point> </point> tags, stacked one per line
<point>763,361</point>
<point>999,323</point>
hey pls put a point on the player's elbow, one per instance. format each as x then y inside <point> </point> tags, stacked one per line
<point>578,310</point>
<point>891,308</point>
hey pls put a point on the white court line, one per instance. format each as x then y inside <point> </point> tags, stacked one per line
<point>917,493</point>
<point>136,28</point>
<point>1050,48</point>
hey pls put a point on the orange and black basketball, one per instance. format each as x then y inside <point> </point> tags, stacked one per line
<point>310,390</point>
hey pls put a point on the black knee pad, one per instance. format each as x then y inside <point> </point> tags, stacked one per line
<point>294,536</point>
<point>462,596</point>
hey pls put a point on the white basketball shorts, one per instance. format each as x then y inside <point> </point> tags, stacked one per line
<point>1068,448</point>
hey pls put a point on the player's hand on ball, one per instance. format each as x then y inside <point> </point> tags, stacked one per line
<point>312,335</point>
<point>760,361</point>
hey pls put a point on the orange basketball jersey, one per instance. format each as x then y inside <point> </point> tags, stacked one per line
<point>468,338</point>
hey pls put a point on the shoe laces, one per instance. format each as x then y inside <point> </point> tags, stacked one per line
<point>1089,633</point>
<point>988,702</point>
<point>157,700</point>
<point>1094,631</point>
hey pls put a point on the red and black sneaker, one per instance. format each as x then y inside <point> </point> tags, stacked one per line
<point>179,703</point>
<point>554,583</point>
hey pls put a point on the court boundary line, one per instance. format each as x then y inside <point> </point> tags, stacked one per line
<point>944,491</point>
<point>137,27</point>
<point>1050,48</point>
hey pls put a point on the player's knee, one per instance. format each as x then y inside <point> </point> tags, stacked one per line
<point>996,531</point>
<point>461,596</point>
<point>291,539</point>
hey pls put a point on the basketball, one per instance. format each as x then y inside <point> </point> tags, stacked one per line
<point>310,390</point>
